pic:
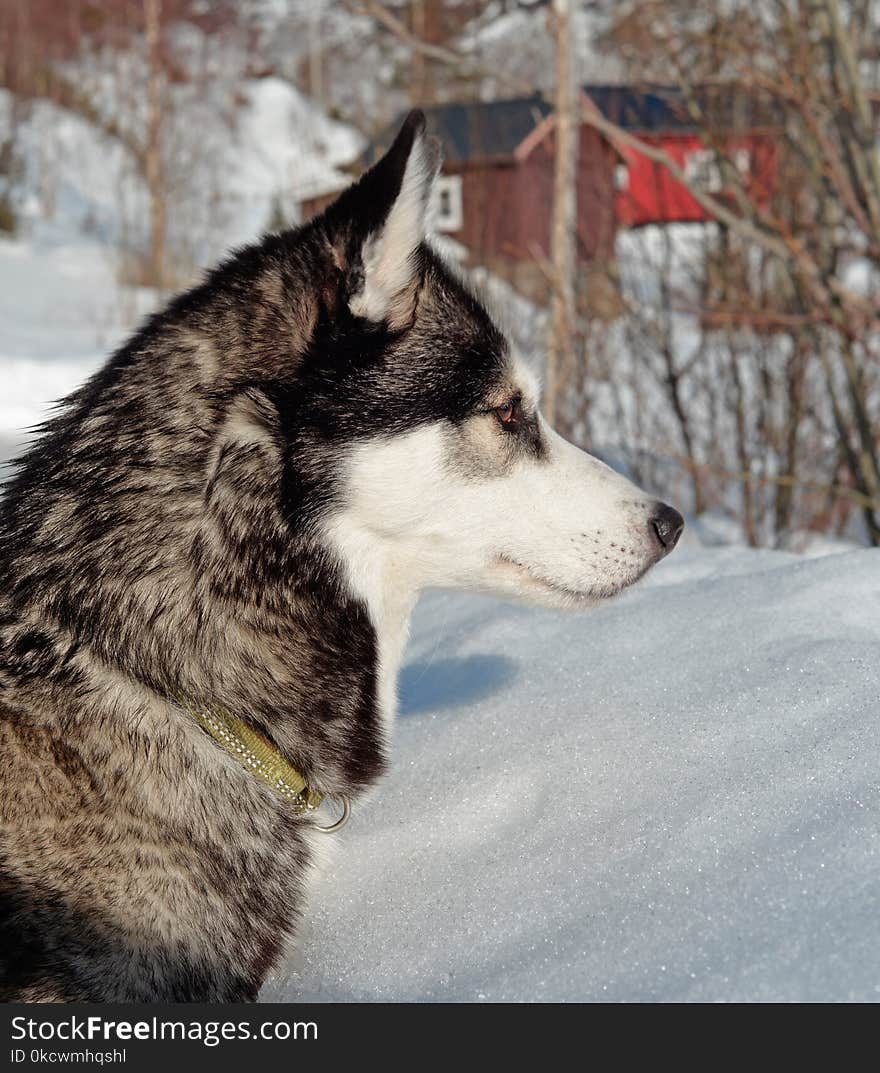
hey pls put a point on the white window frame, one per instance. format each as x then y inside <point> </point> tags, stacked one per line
<point>621,177</point>
<point>447,208</point>
<point>742,159</point>
<point>701,168</point>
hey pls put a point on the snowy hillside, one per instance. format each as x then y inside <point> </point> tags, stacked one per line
<point>61,313</point>
<point>673,798</point>
<point>284,148</point>
<point>32,371</point>
<point>63,308</point>
<point>278,148</point>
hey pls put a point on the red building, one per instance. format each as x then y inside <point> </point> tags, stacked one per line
<point>495,194</point>
<point>645,191</point>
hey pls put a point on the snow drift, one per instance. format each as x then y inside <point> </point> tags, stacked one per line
<point>672,798</point>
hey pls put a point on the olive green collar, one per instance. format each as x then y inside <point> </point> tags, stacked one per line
<point>262,759</point>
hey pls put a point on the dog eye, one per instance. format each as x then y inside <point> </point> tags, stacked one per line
<point>506,412</point>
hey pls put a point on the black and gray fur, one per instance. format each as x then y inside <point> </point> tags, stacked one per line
<point>169,544</point>
<point>160,540</point>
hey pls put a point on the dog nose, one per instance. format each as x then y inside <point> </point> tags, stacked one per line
<point>667,524</point>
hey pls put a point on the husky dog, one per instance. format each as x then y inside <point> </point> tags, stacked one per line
<point>235,516</point>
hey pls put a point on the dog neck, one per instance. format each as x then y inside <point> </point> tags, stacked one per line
<point>387,581</point>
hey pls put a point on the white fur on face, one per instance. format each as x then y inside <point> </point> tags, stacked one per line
<point>563,530</point>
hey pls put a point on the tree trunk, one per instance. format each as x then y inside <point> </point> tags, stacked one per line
<point>316,56</point>
<point>154,166</point>
<point>564,222</point>
<point>419,62</point>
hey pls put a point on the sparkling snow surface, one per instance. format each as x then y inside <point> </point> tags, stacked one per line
<point>674,797</point>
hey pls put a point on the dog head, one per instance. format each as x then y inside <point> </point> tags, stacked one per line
<point>450,475</point>
<point>284,456</point>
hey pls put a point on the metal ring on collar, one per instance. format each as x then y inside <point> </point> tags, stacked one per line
<point>341,822</point>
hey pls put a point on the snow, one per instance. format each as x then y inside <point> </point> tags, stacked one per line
<point>284,147</point>
<point>62,307</point>
<point>85,193</point>
<point>277,149</point>
<point>672,798</point>
<point>493,37</point>
<point>61,313</point>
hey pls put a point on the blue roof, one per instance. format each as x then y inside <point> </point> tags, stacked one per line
<point>665,108</point>
<point>655,109</point>
<point>477,130</point>
<point>472,130</point>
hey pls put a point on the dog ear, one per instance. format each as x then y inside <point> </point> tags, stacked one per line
<point>376,227</point>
